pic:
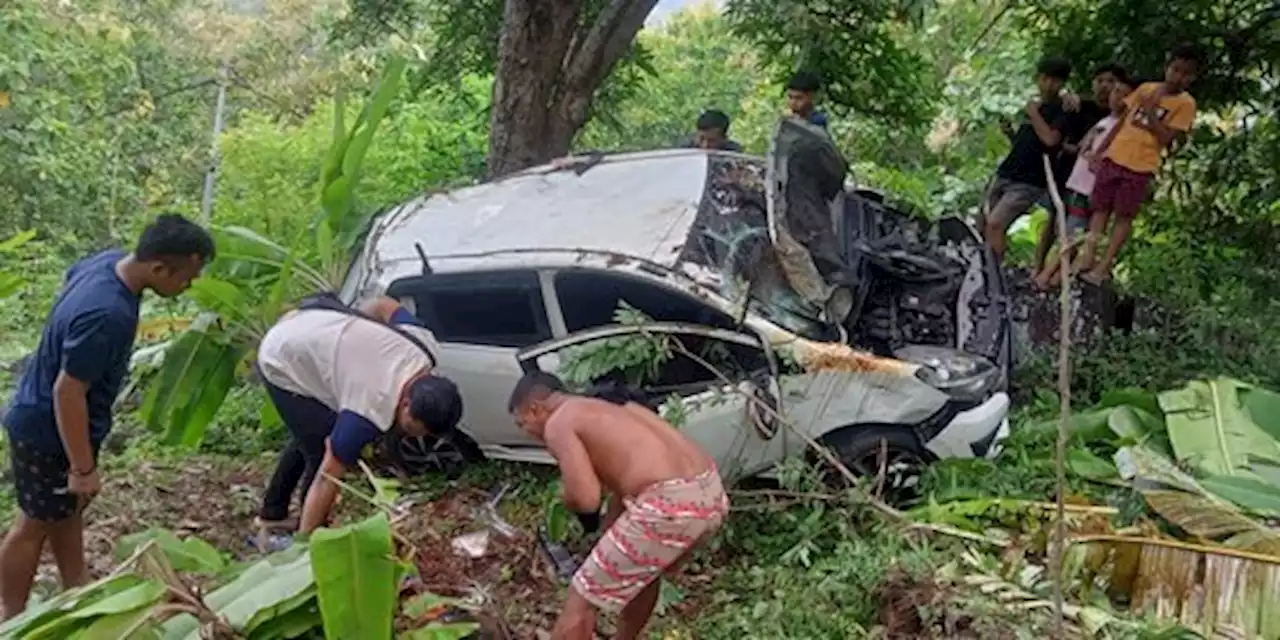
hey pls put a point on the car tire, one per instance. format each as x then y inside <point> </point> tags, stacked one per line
<point>859,447</point>
<point>418,456</point>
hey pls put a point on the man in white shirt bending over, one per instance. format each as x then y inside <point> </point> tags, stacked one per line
<point>340,380</point>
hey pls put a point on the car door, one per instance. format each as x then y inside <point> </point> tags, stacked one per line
<point>714,372</point>
<point>480,320</point>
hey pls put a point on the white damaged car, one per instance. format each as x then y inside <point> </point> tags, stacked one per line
<point>770,268</point>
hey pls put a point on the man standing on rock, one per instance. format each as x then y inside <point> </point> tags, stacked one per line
<point>340,380</point>
<point>666,501</point>
<point>61,411</point>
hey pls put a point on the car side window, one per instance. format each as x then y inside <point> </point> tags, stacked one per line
<point>589,298</point>
<point>497,308</point>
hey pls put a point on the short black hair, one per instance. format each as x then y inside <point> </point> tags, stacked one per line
<point>533,383</point>
<point>173,236</point>
<point>1189,52</point>
<point>1054,68</point>
<point>436,402</point>
<point>806,81</point>
<point>1113,69</point>
<point>713,119</point>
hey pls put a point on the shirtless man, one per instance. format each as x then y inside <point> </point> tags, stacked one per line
<point>667,498</point>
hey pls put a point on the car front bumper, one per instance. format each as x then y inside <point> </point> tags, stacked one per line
<point>975,433</point>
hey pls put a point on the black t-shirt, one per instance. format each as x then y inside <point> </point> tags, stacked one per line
<point>1074,128</point>
<point>1024,164</point>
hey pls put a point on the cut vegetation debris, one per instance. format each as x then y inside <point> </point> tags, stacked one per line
<point>1204,459</point>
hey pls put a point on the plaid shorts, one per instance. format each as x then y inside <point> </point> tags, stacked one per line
<point>1118,190</point>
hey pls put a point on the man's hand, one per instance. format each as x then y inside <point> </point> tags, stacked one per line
<point>87,485</point>
<point>1033,107</point>
<point>1070,101</point>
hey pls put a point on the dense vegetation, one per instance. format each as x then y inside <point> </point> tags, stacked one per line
<point>105,117</point>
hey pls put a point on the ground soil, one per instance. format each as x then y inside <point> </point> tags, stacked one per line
<point>216,499</point>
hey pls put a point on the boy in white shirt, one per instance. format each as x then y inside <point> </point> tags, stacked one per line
<point>1080,183</point>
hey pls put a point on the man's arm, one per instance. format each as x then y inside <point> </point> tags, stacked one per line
<point>71,411</point>
<point>381,307</point>
<point>88,350</point>
<point>1048,134</point>
<point>1175,131</point>
<point>581,485</point>
<point>342,449</point>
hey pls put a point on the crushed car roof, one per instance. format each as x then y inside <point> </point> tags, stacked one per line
<point>637,204</point>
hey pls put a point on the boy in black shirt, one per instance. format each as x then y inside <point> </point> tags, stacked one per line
<point>1020,180</point>
<point>1077,124</point>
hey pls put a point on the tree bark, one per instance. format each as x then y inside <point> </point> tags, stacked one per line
<point>549,68</point>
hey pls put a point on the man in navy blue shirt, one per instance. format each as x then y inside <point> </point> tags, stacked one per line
<point>802,88</point>
<point>61,411</point>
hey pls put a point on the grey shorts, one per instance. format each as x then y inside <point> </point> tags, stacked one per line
<point>1007,200</point>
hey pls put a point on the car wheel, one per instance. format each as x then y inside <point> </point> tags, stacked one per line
<point>418,456</point>
<point>864,449</point>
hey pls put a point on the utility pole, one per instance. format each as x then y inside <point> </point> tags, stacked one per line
<point>206,204</point>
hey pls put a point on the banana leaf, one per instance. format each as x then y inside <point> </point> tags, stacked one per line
<point>1183,501</point>
<point>140,597</point>
<point>1211,428</point>
<point>53,609</point>
<point>356,573</point>
<point>189,555</point>
<point>263,586</point>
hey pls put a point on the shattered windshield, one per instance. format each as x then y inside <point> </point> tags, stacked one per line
<point>730,238</point>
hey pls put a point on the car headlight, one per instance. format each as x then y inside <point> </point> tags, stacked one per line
<point>959,374</point>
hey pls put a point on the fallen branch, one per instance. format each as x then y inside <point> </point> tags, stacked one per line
<point>1241,554</point>
<point>1064,397</point>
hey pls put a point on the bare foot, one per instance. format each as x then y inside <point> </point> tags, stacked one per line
<point>1095,276</point>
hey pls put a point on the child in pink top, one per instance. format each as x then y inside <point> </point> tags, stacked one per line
<point>1080,182</point>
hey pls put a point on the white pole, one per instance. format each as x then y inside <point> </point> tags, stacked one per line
<point>206,204</point>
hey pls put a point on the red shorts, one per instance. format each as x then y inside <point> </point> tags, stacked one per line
<point>1118,190</point>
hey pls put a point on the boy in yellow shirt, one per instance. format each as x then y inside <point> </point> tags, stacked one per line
<point>1157,114</point>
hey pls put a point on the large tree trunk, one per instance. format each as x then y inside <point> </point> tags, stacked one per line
<point>549,68</point>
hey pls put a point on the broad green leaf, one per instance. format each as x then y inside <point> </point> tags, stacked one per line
<point>15,241</point>
<point>293,624</point>
<point>445,631</point>
<point>189,420</point>
<point>1133,423</point>
<point>355,573</point>
<point>219,296</point>
<point>54,608</point>
<point>10,284</point>
<point>1131,397</point>
<point>1263,407</point>
<point>1085,464</point>
<point>115,627</point>
<point>190,555</point>
<point>185,362</point>
<point>1178,498</point>
<point>1248,493</point>
<point>1209,427</point>
<point>264,585</point>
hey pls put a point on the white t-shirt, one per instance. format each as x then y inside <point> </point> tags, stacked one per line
<point>1081,178</point>
<point>344,361</point>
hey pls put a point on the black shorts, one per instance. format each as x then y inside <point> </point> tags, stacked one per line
<point>40,480</point>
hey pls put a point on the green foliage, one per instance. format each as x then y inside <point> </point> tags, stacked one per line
<point>856,47</point>
<point>10,281</point>
<point>197,375</point>
<point>356,578</point>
